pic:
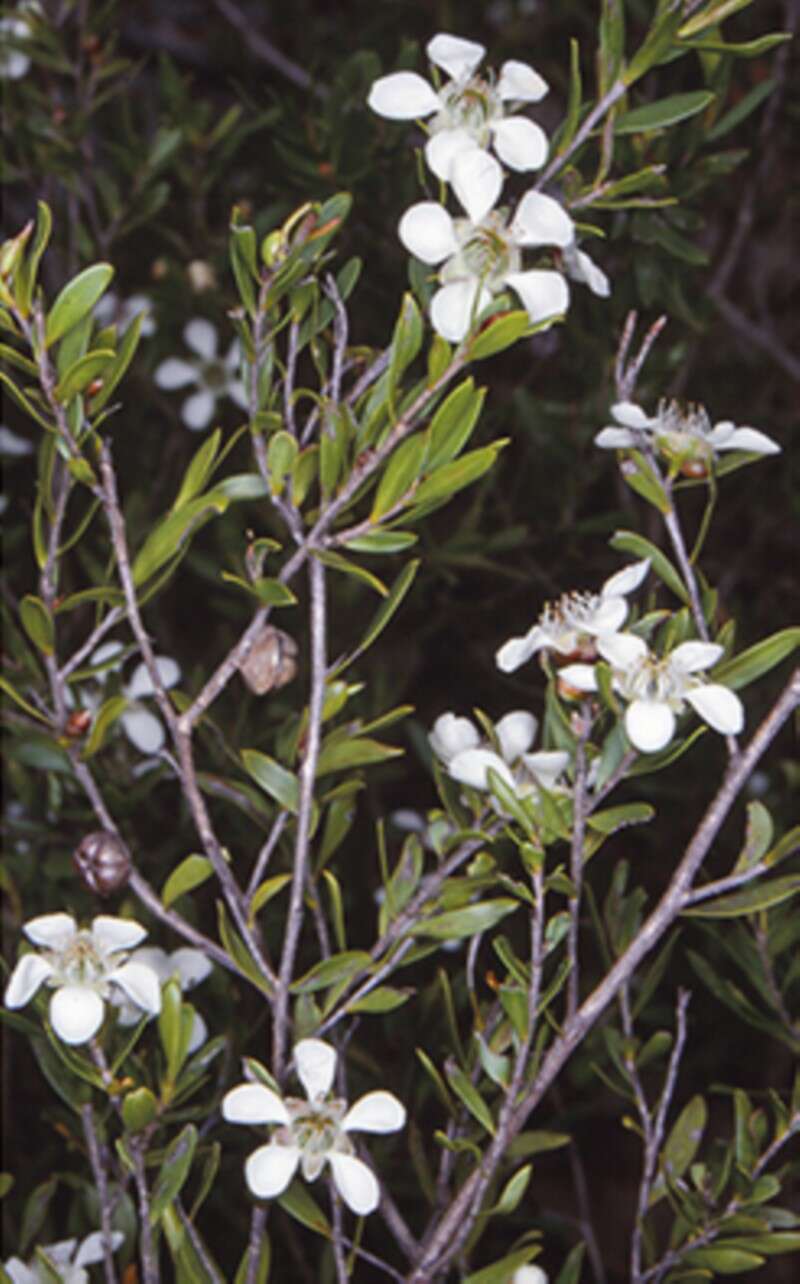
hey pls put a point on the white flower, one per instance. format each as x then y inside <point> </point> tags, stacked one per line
<point>82,967</point>
<point>681,435</point>
<point>469,758</point>
<point>67,1258</point>
<point>141,726</point>
<point>188,965</point>
<point>529,1275</point>
<point>13,445</point>
<point>657,689</point>
<point>14,63</point>
<point>313,1132</point>
<point>214,376</point>
<point>467,111</point>
<point>571,625</point>
<point>112,310</point>
<point>481,254</point>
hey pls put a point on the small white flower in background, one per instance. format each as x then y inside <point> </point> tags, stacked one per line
<point>657,689</point>
<point>572,625</point>
<point>68,1259</point>
<point>144,730</point>
<point>529,1275</point>
<point>683,436</point>
<point>82,967</point>
<point>213,376</point>
<point>481,254</point>
<point>313,1132</point>
<point>188,965</point>
<point>14,63</point>
<point>468,111</point>
<point>12,445</point>
<point>468,757</point>
<point>113,310</point>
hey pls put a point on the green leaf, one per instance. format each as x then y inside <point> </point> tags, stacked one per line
<point>403,470</point>
<point>139,1108</point>
<point>725,1261</point>
<point>76,299</point>
<point>502,1271</point>
<point>280,784</point>
<point>200,468</point>
<point>384,614</point>
<point>385,998</point>
<point>26,405</point>
<point>84,370</point>
<point>268,591</point>
<point>446,481</point>
<point>357,752</point>
<point>757,660</point>
<point>748,901</point>
<point>338,563</point>
<point>743,108</point>
<point>665,112</point>
<point>453,423</point>
<point>329,971</point>
<point>758,836</point>
<point>265,892</point>
<point>498,333</point>
<point>406,340</point>
<point>681,1145</point>
<point>126,350</point>
<point>173,1172</point>
<point>614,818</point>
<point>171,1030</point>
<point>299,1204</point>
<point>103,721</point>
<point>630,542</point>
<point>37,623</point>
<point>282,453</point>
<point>30,709</point>
<point>743,48</point>
<point>467,1093</point>
<point>239,951</point>
<point>382,542</point>
<point>711,16</point>
<point>469,921</point>
<point>191,873</point>
<point>171,532</point>
<point>570,1272</point>
<point>513,1191</point>
<point>25,277</point>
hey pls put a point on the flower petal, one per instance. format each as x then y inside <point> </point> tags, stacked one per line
<point>144,730</point>
<point>426,230</point>
<point>529,1275</point>
<point>376,1112</point>
<point>650,725</point>
<point>608,617</point>
<point>442,149</point>
<point>457,57</point>
<point>12,444</point>
<point>197,410</point>
<point>477,181</point>
<point>519,81</point>
<point>547,765</point>
<point>315,1063</point>
<point>541,220</point>
<point>76,1013</point>
<point>201,336</point>
<point>720,707</point>
<point>543,294</point>
<point>156,959</point>
<point>110,933</point>
<point>192,966</point>
<point>517,651</point>
<point>141,683</point>
<point>140,984</point>
<point>758,443</point>
<point>516,733</point>
<point>622,650</point>
<point>269,1169</point>
<point>472,766</point>
<point>175,373</point>
<point>403,96</point>
<point>625,581</point>
<point>691,657</point>
<point>254,1103</point>
<point>520,143</point>
<point>615,439</point>
<point>15,1268</point>
<point>580,267</point>
<point>54,931</point>
<point>91,1249</point>
<point>27,976</point>
<point>454,307</point>
<point>580,676</point>
<point>451,735</point>
<point>355,1183</point>
<point>630,415</point>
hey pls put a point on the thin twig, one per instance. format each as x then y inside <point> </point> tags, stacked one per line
<point>258,1225</point>
<point>101,1185</point>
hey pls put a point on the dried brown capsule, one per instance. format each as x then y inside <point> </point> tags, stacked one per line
<point>271,662</point>
<point>103,862</point>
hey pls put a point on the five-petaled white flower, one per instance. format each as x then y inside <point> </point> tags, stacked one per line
<point>481,254</point>
<point>113,310</point>
<point>144,730</point>
<point>657,689</point>
<point>14,63</point>
<point>214,376</point>
<point>67,1260</point>
<point>572,625</point>
<point>314,1132</point>
<point>469,757</point>
<point>82,967</point>
<point>681,435</point>
<point>188,965</point>
<point>468,111</point>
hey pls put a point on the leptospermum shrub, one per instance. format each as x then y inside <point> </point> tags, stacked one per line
<point>398,1006</point>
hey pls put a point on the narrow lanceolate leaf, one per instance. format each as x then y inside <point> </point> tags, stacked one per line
<point>126,350</point>
<point>455,924</point>
<point>406,340</point>
<point>328,972</point>
<point>32,712</point>
<point>384,613</point>
<point>173,1171</point>
<point>199,470</point>
<point>191,873</point>
<point>446,481</point>
<point>81,374</point>
<point>665,112</point>
<point>338,563</point>
<point>453,423</point>
<point>76,299</point>
<point>471,1098</point>
<point>25,279</point>
<point>171,532</point>
<point>750,900</point>
<point>402,472</point>
<point>37,622</point>
<point>381,542</point>
<point>757,660</point>
<point>103,721</point>
<point>359,752</point>
<point>682,1145</point>
<point>277,781</point>
<point>758,836</point>
<point>499,333</point>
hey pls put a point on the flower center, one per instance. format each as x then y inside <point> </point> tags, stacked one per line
<point>655,680</point>
<point>682,432</point>
<point>79,963</point>
<point>214,375</point>
<point>487,251</point>
<point>315,1126</point>
<point>471,105</point>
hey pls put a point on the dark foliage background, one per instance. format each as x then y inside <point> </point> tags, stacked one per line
<point>295,77</point>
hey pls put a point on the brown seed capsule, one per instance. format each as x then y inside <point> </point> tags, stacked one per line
<point>78,723</point>
<point>103,862</point>
<point>271,662</point>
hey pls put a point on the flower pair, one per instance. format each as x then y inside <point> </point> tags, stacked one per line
<point>469,757</point>
<point>682,436</point>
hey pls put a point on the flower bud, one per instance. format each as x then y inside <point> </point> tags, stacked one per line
<point>271,662</point>
<point>103,862</point>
